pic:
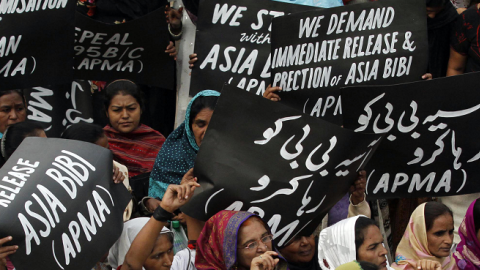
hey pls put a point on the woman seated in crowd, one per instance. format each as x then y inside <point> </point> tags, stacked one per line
<point>355,238</point>
<point>131,228</point>
<point>151,249</point>
<point>467,255</point>
<point>92,133</point>
<point>236,240</point>
<point>178,154</point>
<point>427,240</point>
<point>133,144</point>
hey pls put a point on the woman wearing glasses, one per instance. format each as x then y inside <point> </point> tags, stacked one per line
<point>236,240</point>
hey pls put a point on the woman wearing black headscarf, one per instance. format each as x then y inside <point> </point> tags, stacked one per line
<point>441,16</point>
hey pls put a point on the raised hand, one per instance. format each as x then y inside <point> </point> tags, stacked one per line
<point>177,196</point>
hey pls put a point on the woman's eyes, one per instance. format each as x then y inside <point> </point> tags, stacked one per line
<point>159,255</point>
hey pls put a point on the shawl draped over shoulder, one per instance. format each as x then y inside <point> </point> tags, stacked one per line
<point>136,150</point>
<point>414,245</point>
<point>467,254</point>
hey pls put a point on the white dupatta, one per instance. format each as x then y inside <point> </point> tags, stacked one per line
<point>336,244</point>
<point>131,228</point>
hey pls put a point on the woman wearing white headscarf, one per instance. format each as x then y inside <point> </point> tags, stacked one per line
<point>184,259</point>
<point>355,238</point>
<point>145,243</point>
<point>131,228</point>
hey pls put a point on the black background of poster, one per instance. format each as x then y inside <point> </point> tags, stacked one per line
<point>47,37</point>
<point>447,94</point>
<point>154,67</point>
<point>229,159</point>
<point>59,106</point>
<point>45,151</point>
<point>209,34</point>
<point>409,16</point>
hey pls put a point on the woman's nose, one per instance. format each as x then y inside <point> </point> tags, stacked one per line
<point>13,115</point>
<point>383,252</point>
<point>262,248</point>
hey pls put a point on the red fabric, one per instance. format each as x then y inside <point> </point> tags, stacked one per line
<point>210,243</point>
<point>217,243</point>
<point>192,244</point>
<point>137,150</point>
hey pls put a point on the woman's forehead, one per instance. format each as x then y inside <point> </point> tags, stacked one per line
<point>252,229</point>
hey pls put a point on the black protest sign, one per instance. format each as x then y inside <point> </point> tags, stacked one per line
<point>430,147</point>
<point>382,42</point>
<point>264,157</point>
<point>59,106</point>
<point>233,43</point>
<point>132,50</point>
<point>59,203</point>
<point>36,43</point>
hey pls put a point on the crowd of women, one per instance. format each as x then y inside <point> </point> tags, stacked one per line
<point>355,235</point>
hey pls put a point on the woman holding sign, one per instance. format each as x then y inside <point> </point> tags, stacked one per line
<point>427,240</point>
<point>133,144</point>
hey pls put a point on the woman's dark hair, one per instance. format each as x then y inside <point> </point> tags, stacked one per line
<point>433,210</point>
<point>17,91</point>
<point>476,215</point>
<point>367,265</point>
<point>122,87</point>
<point>361,227</point>
<point>84,132</point>
<point>16,133</point>
<point>201,103</point>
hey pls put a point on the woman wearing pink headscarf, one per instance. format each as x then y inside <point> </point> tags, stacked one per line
<point>427,240</point>
<point>467,254</point>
